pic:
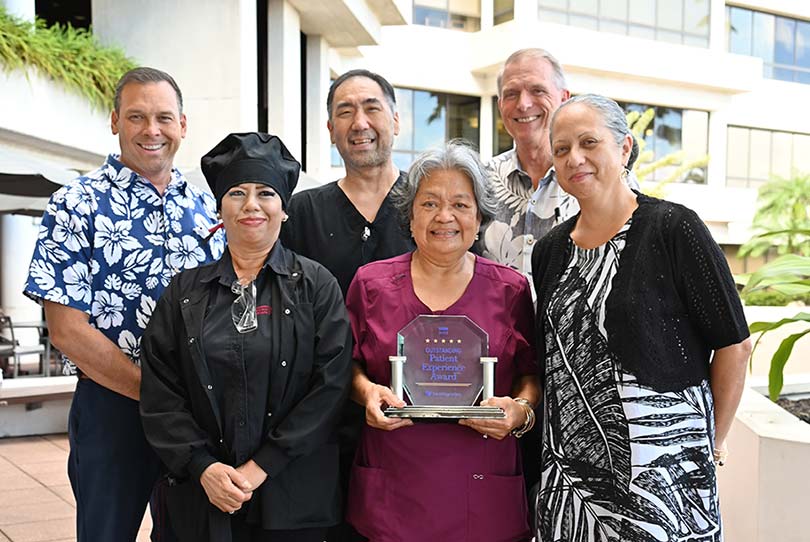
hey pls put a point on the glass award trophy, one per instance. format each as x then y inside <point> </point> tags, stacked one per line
<point>443,367</point>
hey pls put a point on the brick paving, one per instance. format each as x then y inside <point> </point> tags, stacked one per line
<point>36,503</point>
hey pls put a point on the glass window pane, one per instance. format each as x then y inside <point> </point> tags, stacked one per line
<point>763,36</point>
<point>760,159</point>
<point>430,17</point>
<point>783,74</point>
<point>559,4</point>
<point>642,12</point>
<point>696,17</point>
<point>463,117</point>
<point>613,9</point>
<point>550,16</point>
<point>803,44</point>
<point>801,153</point>
<point>785,33</point>
<point>668,124</point>
<point>583,21</point>
<point>589,7</point>
<point>501,140</point>
<point>740,31</point>
<point>696,41</point>
<point>503,11</point>
<point>737,153</point>
<point>405,108</point>
<point>335,159</point>
<point>428,119</point>
<point>670,14</point>
<point>646,32</point>
<point>402,160</point>
<point>669,36</point>
<point>781,152</point>
<point>803,77</point>
<point>613,27</point>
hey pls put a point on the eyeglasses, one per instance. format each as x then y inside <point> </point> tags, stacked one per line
<point>243,309</point>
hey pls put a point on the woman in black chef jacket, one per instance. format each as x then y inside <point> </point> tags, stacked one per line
<point>245,364</point>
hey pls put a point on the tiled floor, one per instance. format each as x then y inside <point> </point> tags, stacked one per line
<point>36,503</point>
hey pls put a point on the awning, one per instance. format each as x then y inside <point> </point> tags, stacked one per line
<point>26,183</point>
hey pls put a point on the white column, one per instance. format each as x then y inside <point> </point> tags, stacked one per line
<point>485,128</point>
<point>317,143</point>
<point>18,235</point>
<point>487,11</point>
<point>717,26</point>
<point>284,74</point>
<point>718,129</point>
<point>22,9</point>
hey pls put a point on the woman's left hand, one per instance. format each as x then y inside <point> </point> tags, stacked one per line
<point>253,472</point>
<point>499,428</point>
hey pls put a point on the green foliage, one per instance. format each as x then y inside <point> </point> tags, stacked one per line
<point>647,164</point>
<point>69,55</point>
<point>782,218</point>
<point>790,276</point>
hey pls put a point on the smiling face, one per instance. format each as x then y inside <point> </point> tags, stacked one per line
<point>149,127</point>
<point>362,125</point>
<point>445,215</point>
<point>586,156</point>
<point>252,215</point>
<point>529,96</point>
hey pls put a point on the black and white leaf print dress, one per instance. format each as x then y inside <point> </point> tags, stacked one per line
<point>621,462</point>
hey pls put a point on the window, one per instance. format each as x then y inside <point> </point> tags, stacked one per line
<point>429,119</point>
<point>671,130</point>
<point>782,43</point>
<point>677,21</point>
<point>75,13</point>
<point>754,156</point>
<point>454,14</point>
<point>503,11</point>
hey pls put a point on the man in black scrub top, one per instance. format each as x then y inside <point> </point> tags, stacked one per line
<point>351,222</point>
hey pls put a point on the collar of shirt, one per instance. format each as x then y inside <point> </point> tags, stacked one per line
<point>123,174</point>
<point>277,261</point>
<point>513,167</point>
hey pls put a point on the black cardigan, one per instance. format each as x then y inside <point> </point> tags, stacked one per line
<point>672,300</point>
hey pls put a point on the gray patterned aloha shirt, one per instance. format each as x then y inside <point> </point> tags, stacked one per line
<point>524,215</point>
<point>109,244</point>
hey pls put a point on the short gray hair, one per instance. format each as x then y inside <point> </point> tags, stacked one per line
<point>534,52</point>
<point>142,76</point>
<point>456,155</point>
<point>613,116</point>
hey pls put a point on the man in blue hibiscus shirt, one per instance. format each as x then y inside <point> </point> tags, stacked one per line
<point>109,243</point>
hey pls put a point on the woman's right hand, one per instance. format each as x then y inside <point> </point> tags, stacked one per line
<point>378,397</point>
<point>227,489</point>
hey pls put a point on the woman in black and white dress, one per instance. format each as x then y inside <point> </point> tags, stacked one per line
<point>643,345</point>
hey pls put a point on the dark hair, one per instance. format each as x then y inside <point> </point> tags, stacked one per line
<point>457,155</point>
<point>388,90</point>
<point>144,75</point>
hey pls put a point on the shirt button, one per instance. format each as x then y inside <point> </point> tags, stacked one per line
<point>241,423</point>
<point>210,387</point>
<point>295,274</point>
<point>283,363</point>
<point>269,414</point>
<point>286,311</point>
<point>220,441</point>
<point>530,241</point>
<point>191,340</point>
<point>185,301</point>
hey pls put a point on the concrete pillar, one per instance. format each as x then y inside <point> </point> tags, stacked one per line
<point>718,129</point>
<point>22,9</point>
<point>718,39</point>
<point>485,128</point>
<point>487,13</point>
<point>284,74</point>
<point>317,143</point>
<point>18,235</point>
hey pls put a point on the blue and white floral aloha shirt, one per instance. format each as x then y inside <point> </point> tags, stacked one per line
<point>110,243</point>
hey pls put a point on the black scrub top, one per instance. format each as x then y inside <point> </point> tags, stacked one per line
<point>324,225</point>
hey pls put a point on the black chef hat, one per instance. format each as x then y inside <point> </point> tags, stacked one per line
<point>250,157</point>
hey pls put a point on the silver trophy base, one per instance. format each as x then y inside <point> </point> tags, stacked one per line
<point>445,412</point>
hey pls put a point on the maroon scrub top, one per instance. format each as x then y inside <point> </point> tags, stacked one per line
<point>439,481</point>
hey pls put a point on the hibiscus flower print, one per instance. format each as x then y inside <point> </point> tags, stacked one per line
<point>78,282</point>
<point>82,201</point>
<point>69,231</point>
<point>107,309</point>
<point>185,252</point>
<point>114,238</point>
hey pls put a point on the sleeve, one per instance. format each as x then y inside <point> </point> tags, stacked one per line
<point>523,330</point>
<point>165,405</point>
<point>311,421</point>
<point>62,267</point>
<point>705,283</point>
<point>540,260</point>
<point>356,303</point>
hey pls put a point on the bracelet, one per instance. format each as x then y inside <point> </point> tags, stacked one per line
<point>720,457</point>
<point>518,432</point>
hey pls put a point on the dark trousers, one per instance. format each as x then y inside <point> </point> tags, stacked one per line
<point>112,469</point>
<point>242,532</point>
